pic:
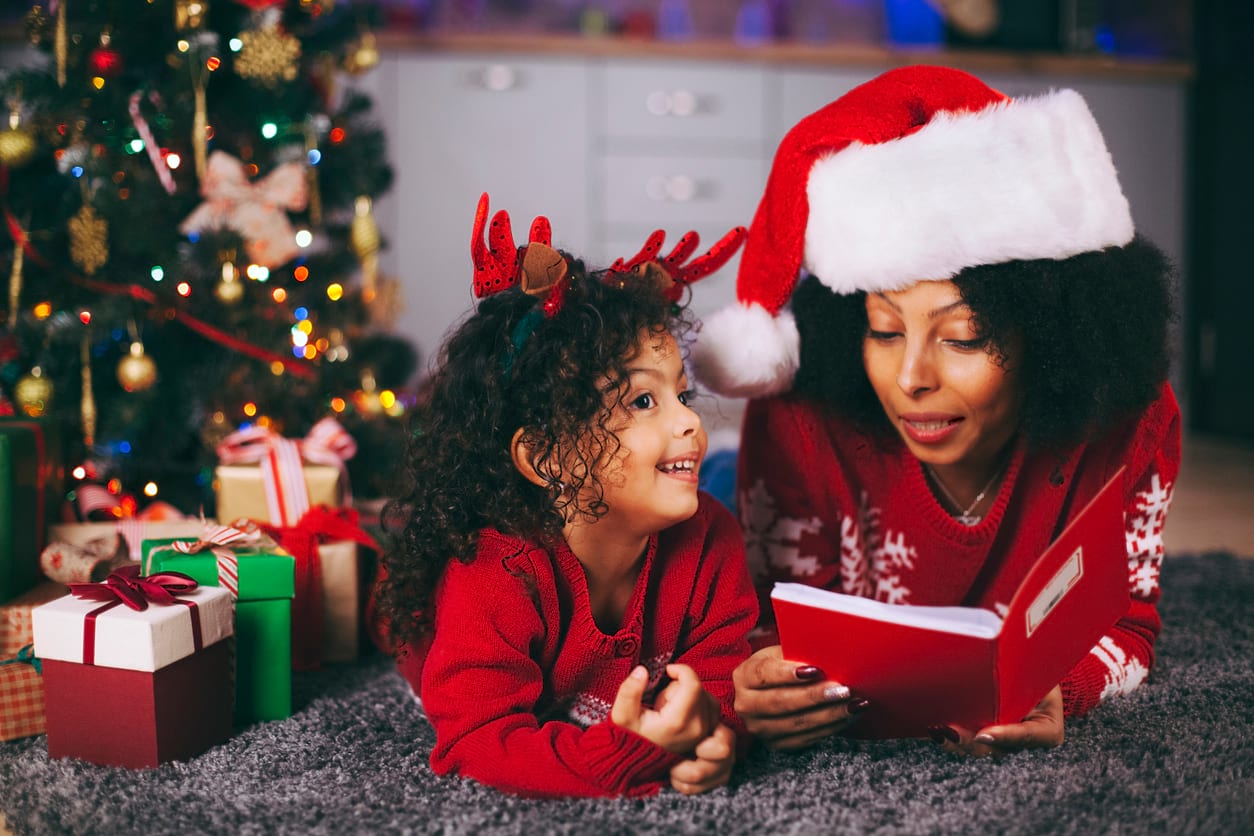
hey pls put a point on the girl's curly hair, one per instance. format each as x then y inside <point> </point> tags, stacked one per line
<point>560,384</point>
<point>1090,331</point>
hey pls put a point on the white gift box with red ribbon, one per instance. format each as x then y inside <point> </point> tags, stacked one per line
<point>138,640</point>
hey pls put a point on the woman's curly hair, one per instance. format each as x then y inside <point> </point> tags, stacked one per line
<point>1090,338</point>
<point>560,384</point>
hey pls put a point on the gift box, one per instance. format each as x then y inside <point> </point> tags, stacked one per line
<point>241,491</point>
<point>341,601</point>
<point>30,489</point>
<point>139,679</point>
<point>265,583</point>
<point>133,531</point>
<point>21,698</point>
<point>16,630</point>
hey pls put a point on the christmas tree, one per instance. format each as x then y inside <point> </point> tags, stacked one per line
<point>187,188</point>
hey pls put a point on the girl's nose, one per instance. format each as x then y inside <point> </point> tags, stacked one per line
<point>688,421</point>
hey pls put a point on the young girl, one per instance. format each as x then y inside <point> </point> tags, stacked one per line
<point>565,603</point>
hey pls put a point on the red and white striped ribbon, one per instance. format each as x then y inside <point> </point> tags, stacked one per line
<point>222,541</point>
<point>282,464</point>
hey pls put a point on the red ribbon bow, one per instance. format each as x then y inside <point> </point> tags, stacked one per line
<point>126,586</point>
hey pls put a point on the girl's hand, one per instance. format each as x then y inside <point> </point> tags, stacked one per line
<point>711,764</point>
<point>788,705</point>
<point>1042,728</point>
<point>683,716</point>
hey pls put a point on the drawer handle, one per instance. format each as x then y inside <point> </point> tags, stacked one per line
<point>678,188</point>
<point>495,78</point>
<point>679,103</point>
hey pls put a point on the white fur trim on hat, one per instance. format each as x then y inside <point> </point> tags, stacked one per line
<point>743,351</point>
<point>1027,179</point>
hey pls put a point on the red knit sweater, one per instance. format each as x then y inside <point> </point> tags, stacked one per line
<point>824,505</point>
<point>518,680</point>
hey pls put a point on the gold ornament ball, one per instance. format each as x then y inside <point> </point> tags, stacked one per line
<point>137,371</point>
<point>364,57</point>
<point>16,147</point>
<point>229,291</point>
<point>33,394</point>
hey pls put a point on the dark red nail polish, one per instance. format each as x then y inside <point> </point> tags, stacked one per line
<point>858,706</point>
<point>949,733</point>
<point>936,734</point>
<point>808,673</point>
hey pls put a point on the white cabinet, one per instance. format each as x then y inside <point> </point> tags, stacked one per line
<point>515,127</point>
<point>611,148</point>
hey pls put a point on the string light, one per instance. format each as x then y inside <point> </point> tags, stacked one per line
<point>279,295</point>
<point>43,310</point>
<point>150,489</point>
<point>157,273</point>
<point>338,404</point>
<point>184,289</point>
<point>301,273</point>
<point>335,291</point>
<point>250,409</point>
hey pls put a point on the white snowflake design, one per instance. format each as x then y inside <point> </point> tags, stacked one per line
<point>773,541</point>
<point>1144,535</point>
<point>871,562</point>
<point>1123,673</point>
<point>588,709</point>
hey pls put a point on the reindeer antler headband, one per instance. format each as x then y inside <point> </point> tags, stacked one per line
<point>542,271</point>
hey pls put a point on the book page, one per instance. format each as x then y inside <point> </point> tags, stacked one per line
<point>963,621</point>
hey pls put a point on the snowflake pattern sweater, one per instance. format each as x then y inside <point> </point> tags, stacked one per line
<point>824,505</point>
<point>518,680</point>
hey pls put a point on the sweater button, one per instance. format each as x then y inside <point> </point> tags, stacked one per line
<point>627,646</point>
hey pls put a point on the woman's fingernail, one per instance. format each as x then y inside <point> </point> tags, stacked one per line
<point>936,734</point>
<point>950,733</point>
<point>858,706</point>
<point>985,738</point>
<point>835,693</point>
<point>808,673</point>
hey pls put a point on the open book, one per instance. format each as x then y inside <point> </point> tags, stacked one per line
<point>924,666</point>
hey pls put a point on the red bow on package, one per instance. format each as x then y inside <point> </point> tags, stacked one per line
<point>127,587</point>
<point>319,525</point>
<point>282,463</point>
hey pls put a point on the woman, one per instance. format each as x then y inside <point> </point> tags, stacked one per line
<point>979,345</point>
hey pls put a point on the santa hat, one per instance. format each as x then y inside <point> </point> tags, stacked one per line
<point>914,175</point>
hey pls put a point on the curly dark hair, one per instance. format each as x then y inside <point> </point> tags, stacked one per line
<point>1090,334</point>
<point>561,386</point>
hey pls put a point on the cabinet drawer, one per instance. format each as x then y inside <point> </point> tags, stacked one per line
<point>681,101</point>
<point>673,192</point>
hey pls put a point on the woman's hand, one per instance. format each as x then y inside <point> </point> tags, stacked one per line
<point>683,715</point>
<point>711,764</point>
<point>1042,728</point>
<point>788,705</point>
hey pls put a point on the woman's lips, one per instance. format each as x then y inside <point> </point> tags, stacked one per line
<point>929,428</point>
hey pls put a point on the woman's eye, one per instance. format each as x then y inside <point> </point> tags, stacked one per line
<point>882,336</point>
<point>686,396</point>
<point>642,402</point>
<point>966,345</point>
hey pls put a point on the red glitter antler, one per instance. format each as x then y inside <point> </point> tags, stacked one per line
<point>680,274</point>
<point>497,262</point>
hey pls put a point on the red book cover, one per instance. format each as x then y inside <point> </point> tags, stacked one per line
<point>926,666</point>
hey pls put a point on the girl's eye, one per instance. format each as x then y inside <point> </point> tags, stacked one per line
<point>686,396</point>
<point>644,401</point>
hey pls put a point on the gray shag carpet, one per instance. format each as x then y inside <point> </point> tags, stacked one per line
<point>1176,756</point>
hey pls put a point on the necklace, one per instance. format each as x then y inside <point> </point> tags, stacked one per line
<point>964,516</point>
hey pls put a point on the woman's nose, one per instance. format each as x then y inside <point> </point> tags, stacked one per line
<point>917,374</point>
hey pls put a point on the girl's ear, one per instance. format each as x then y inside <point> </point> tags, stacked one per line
<point>520,452</point>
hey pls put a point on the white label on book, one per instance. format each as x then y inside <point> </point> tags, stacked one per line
<point>1057,588</point>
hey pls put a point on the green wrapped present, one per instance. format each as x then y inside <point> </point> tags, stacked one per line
<point>263,578</point>
<point>31,489</point>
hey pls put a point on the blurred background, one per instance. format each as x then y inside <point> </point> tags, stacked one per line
<point>612,118</point>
